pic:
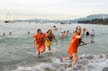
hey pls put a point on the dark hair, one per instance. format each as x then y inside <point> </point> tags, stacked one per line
<point>38,30</point>
<point>49,30</point>
<point>76,28</point>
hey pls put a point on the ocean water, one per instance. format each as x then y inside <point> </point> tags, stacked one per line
<point>17,53</point>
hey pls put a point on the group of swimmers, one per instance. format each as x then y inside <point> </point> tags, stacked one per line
<point>41,40</point>
<point>64,34</point>
<point>4,34</point>
<point>90,33</point>
<point>10,33</point>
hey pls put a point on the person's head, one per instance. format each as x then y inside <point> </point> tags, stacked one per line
<point>78,29</point>
<point>54,26</point>
<point>67,31</point>
<point>39,31</point>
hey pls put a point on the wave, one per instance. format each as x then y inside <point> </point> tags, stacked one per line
<point>85,63</point>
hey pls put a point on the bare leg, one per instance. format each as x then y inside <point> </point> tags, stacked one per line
<point>38,53</point>
<point>42,51</point>
<point>75,59</point>
<point>49,48</point>
<point>66,58</point>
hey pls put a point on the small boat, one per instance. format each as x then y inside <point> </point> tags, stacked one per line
<point>62,23</point>
<point>8,20</point>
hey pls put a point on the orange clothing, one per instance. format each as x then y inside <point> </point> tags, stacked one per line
<point>73,45</point>
<point>40,41</point>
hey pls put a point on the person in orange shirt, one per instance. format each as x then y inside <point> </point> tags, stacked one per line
<point>73,47</point>
<point>39,41</point>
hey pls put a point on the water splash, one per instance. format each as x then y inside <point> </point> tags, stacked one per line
<point>85,63</point>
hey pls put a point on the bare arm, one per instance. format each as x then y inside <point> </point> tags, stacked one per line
<point>82,33</point>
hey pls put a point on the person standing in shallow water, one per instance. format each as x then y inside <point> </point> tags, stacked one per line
<point>50,37</point>
<point>73,47</point>
<point>67,33</point>
<point>62,36</point>
<point>87,33</point>
<point>10,33</point>
<point>3,34</point>
<point>92,34</point>
<point>39,41</point>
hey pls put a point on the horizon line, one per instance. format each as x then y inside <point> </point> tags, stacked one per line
<point>65,17</point>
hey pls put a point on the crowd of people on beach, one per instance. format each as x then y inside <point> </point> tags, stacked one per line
<point>41,40</point>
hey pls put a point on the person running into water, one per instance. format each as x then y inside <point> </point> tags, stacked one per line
<point>50,37</point>
<point>73,47</point>
<point>39,41</point>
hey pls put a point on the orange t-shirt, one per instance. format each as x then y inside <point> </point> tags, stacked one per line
<point>73,44</point>
<point>40,41</point>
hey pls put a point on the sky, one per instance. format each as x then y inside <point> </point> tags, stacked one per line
<point>51,9</point>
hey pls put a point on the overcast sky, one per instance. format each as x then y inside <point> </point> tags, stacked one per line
<point>52,9</point>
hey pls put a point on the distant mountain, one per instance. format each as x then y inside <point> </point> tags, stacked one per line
<point>97,16</point>
<point>90,17</point>
<point>45,21</point>
<point>94,19</point>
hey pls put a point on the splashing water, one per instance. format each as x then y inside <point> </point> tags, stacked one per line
<point>17,54</point>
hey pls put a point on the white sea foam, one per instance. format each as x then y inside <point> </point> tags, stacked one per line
<point>17,47</point>
<point>85,63</point>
